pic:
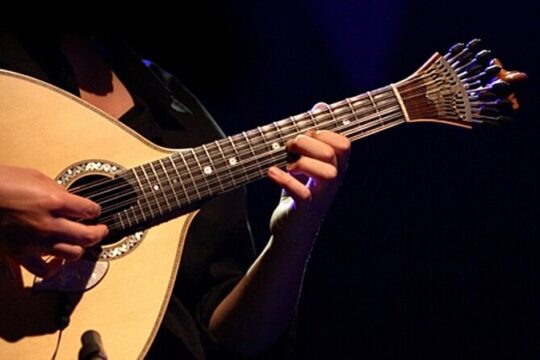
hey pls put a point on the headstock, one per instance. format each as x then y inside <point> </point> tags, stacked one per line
<point>463,87</point>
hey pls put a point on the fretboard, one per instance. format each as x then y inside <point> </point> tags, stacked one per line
<point>166,186</point>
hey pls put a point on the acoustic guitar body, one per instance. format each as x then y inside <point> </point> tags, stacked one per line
<point>47,129</point>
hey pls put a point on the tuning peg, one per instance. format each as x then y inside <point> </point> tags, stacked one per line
<point>504,105</point>
<point>504,119</point>
<point>494,120</point>
<point>487,74</point>
<point>499,86</point>
<point>471,45</point>
<point>486,96</point>
<point>454,50</point>
<point>474,69</point>
<point>482,56</point>
<point>489,110</point>
<point>491,70</point>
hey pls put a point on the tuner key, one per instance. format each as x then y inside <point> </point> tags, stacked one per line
<point>482,55</point>
<point>456,49</point>
<point>473,43</point>
<point>504,119</point>
<point>492,70</point>
<point>474,69</point>
<point>499,86</point>
<point>486,96</point>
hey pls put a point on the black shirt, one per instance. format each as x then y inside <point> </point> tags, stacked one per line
<point>218,247</point>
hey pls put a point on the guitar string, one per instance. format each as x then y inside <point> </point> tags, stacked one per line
<point>241,168</point>
<point>190,198</point>
<point>252,170</point>
<point>116,226</point>
<point>273,154</point>
<point>336,106</point>
<point>243,146</point>
<point>268,161</point>
<point>303,116</point>
<point>269,158</point>
<point>279,129</point>
<point>386,124</point>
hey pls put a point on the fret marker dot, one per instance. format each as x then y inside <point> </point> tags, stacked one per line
<point>232,161</point>
<point>156,187</point>
<point>346,122</point>
<point>207,170</point>
<point>275,146</point>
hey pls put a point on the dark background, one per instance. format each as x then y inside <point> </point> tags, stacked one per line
<point>431,249</point>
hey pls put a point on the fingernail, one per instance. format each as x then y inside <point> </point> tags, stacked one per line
<point>273,171</point>
<point>96,212</point>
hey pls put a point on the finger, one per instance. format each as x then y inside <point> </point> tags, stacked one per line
<point>77,233</point>
<point>339,143</point>
<point>313,168</point>
<point>61,250</point>
<point>299,192</point>
<point>305,145</point>
<point>320,106</point>
<point>75,207</point>
<point>38,266</point>
<point>66,251</point>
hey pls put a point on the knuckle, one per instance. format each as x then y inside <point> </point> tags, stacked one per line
<point>328,155</point>
<point>289,181</point>
<point>46,225</point>
<point>75,253</point>
<point>52,201</point>
<point>37,174</point>
<point>332,173</point>
<point>91,237</point>
<point>305,195</point>
<point>343,144</point>
<point>295,143</point>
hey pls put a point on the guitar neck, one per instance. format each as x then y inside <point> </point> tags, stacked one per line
<point>167,186</point>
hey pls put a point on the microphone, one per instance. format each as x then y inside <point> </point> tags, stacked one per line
<point>92,347</point>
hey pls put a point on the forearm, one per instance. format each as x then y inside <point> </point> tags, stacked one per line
<point>260,308</point>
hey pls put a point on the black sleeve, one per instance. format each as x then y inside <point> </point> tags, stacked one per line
<point>219,246</point>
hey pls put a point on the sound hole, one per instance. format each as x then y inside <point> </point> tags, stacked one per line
<point>112,194</point>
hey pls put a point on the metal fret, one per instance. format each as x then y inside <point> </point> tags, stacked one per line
<point>161,187</point>
<point>127,217</point>
<point>253,152</point>
<point>293,120</point>
<point>179,178</point>
<point>166,172</point>
<point>119,216</point>
<point>226,161</point>
<point>313,120</point>
<point>134,171</point>
<point>353,111</point>
<point>201,170</point>
<point>273,147</point>
<point>190,176</point>
<point>139,205</point>
<point>137,220</point>
<point>278,129</point>
<point>214,167</point>
<point>242,165</point>
<point>376,108</point>
<point>151,190</point>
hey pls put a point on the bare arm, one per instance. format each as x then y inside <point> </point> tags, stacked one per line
<point>259,309</point>
<point>37,218</point>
